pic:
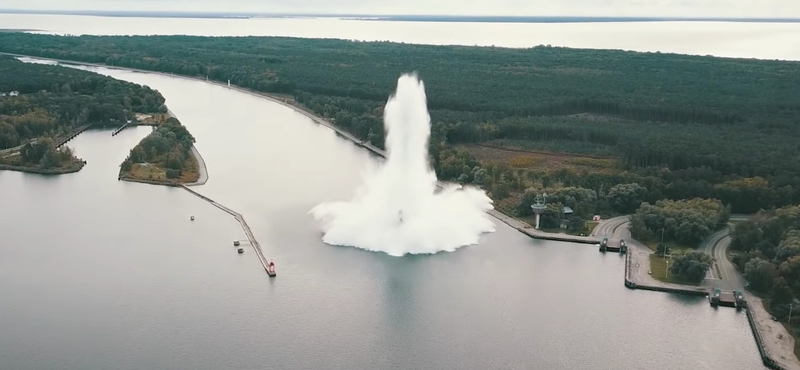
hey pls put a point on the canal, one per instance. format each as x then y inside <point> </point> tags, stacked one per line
<point>103,274</point>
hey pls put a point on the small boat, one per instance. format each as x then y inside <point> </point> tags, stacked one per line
<point>240,250</point>
<point>236,243</point>
<point>271,269</point>
<point>191,218</point>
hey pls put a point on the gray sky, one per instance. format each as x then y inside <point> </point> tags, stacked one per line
<point>687,8</point>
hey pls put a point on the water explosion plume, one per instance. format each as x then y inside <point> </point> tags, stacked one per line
<point>397,209</point>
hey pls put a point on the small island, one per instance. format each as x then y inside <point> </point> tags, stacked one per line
<point>164,157</point>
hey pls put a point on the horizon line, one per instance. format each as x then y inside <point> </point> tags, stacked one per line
<point>397,17</point>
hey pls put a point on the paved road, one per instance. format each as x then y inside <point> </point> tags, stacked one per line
<point>612,228</point>
<point>722,272</point>
<point>708,247</point>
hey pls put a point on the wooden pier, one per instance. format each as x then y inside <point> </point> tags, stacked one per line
<point>72,135</point>
<point>118,130</point>
<point>247,231</point>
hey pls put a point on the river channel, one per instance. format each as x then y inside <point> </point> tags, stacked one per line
<point>102,274</point>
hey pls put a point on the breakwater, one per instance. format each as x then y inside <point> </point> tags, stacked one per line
<point>248,232</point>
<point>766,359</point>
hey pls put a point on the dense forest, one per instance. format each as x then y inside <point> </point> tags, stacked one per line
<point>39,100</point>
<point>680,126</point>
<point>768,252</point>
<point>164,155</point>
<point>687,222</point>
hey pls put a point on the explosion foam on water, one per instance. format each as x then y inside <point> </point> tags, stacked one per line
<point>397,210</point>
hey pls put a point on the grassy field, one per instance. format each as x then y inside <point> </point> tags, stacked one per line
<point>527,162</point>
<point>658,269</point>
<point>537,161</point>
<point>146,171</point>
<point>154,172</point>
<point>672,246</point>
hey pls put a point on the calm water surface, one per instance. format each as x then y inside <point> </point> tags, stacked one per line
<point>101,274</point>
<point>729,39</point>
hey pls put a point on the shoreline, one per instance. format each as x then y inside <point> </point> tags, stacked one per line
<point>41,171</point>
<point>201,164</point>
<point>201,169</point>
<point>513,222</point>
<point>774,342</point>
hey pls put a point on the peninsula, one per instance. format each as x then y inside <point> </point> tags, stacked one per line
<point>42,107</point>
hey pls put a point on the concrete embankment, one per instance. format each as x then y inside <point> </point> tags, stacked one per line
<point>529,230</point>
<point>775,345</point>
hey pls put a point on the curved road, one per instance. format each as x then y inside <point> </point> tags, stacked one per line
<point>611,228</point>
<point>722,271</point>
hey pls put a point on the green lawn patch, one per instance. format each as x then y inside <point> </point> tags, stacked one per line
<point>658,269</point>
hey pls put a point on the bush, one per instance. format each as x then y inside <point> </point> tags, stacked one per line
<point>126,166</point>
<point>691,266</point>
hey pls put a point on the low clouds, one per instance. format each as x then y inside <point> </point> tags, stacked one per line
<point>684,8</point>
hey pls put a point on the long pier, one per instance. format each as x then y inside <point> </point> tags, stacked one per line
<point>72,135</point>
<point>247,231</point>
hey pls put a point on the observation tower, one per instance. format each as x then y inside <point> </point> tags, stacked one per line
<point>539,207</point>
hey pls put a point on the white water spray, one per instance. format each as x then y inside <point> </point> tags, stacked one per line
<point>397,210</point>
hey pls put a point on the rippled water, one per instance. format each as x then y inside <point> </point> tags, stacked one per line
<point>101,274</point>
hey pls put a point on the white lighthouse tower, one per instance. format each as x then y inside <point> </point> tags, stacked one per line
<point>539,207</point>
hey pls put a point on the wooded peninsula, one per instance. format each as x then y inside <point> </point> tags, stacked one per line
<point>41,105</point>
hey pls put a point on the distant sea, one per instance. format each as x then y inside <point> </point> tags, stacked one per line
<point>404,18</point>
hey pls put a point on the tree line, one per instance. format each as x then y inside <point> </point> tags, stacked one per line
<point>681,126</point>
<point>768,252</point>
<point>168,148</point>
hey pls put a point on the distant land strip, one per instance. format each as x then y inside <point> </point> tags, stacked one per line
<point>401,18</point>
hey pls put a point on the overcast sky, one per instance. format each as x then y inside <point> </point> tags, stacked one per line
<point>687,8</point>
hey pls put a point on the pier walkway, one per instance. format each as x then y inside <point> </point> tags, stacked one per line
<point>58,142</point>
<point>250,237</point>
<point>72,135</point>
<point>118,130</point>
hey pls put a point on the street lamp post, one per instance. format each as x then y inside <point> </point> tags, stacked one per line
<point>790,313</point>
<point>666,273</point>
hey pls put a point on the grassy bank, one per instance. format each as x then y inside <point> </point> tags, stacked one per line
<point>658,270</point>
